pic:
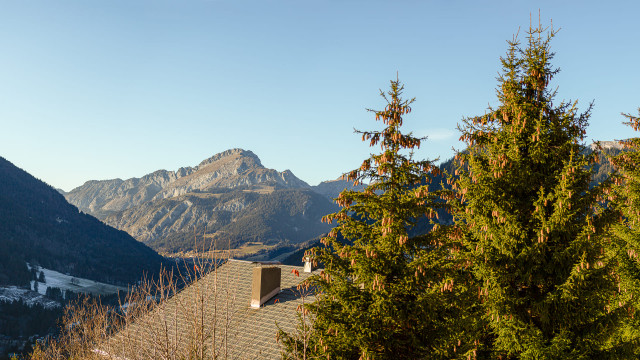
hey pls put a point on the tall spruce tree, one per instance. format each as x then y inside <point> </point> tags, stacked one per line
<point>384,294</point>
<point>537,236</point>
<point>627,195</point>
<point>626,232</point>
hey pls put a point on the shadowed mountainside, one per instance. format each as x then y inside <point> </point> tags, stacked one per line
<point>38,225</point>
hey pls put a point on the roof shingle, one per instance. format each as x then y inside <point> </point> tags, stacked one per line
<point>213,317</point>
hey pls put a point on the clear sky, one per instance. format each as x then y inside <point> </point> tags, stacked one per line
<point>120,88</point>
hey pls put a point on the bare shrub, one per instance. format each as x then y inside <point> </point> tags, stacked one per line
<point>151,323</point>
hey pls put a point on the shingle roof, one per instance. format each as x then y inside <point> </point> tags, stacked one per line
<point>171,329</point>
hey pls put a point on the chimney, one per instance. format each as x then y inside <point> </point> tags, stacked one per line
<point>265,284</point>
<point>308,265</point>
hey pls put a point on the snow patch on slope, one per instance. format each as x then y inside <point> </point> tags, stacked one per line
<point>75,284</point>
<point>29,297</point>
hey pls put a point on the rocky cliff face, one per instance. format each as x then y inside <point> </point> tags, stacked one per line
<point>235,218</point>
<point>230,169</point>
<point>101,198</point>
<point>166,209</point>
<point>608,145</point>
<point>187,213</point>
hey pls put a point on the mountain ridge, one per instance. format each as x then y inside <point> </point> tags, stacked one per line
<point>166,210</point>
<point>228,169</point>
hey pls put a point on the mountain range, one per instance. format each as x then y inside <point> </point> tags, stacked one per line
<point>230,198</point>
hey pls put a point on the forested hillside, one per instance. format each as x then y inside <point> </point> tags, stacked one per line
<point>39,226</point>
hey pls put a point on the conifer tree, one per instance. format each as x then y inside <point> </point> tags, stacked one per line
<point>384,294</point>
<point>537,236</point>
<point>627,195</point>
<point>626,232</point>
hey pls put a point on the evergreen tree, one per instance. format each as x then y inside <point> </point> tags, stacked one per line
<point>627,193</point>
<point>54,293</point>
<point>384,294</point>
<point>537,236</point>
<point>626,233</point>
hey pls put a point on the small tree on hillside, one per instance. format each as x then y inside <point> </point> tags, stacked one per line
<point>384,294</point>
<point>537,235</point>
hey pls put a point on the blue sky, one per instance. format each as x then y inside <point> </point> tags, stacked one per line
<point>106,89</point>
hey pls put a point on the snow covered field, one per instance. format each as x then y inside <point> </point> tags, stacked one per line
<point>13,293</point>
<point>58,280</point>
<point>75,284</point>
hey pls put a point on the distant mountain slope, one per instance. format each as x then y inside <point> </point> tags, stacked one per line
<point>38,225</point>
<point>287,216</point>
<point>187,213</point>
<point>332,188</point>
<point>230,196</point>
<point>101,198</point>
<point>603,168</point>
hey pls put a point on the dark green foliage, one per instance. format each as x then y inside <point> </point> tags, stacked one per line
<point>39,226</point>
<point>385,294</point>
<point>13,269</point>
<point>626,232</point>
<point>19,319</point>
<point>548,278</point>
<point>54,293</point>
<point>290,214</point>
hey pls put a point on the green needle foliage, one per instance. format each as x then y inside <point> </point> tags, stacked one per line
<point>537,235</point>
<point>384,294</point>
<point>627,193</point>
<point>626,232</point>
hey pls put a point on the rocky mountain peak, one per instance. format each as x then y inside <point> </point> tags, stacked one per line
<point>232,153</point>
<point>608,145</point>
<point>226,170</point>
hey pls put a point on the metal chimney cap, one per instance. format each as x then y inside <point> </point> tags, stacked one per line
<point>308,265</point>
